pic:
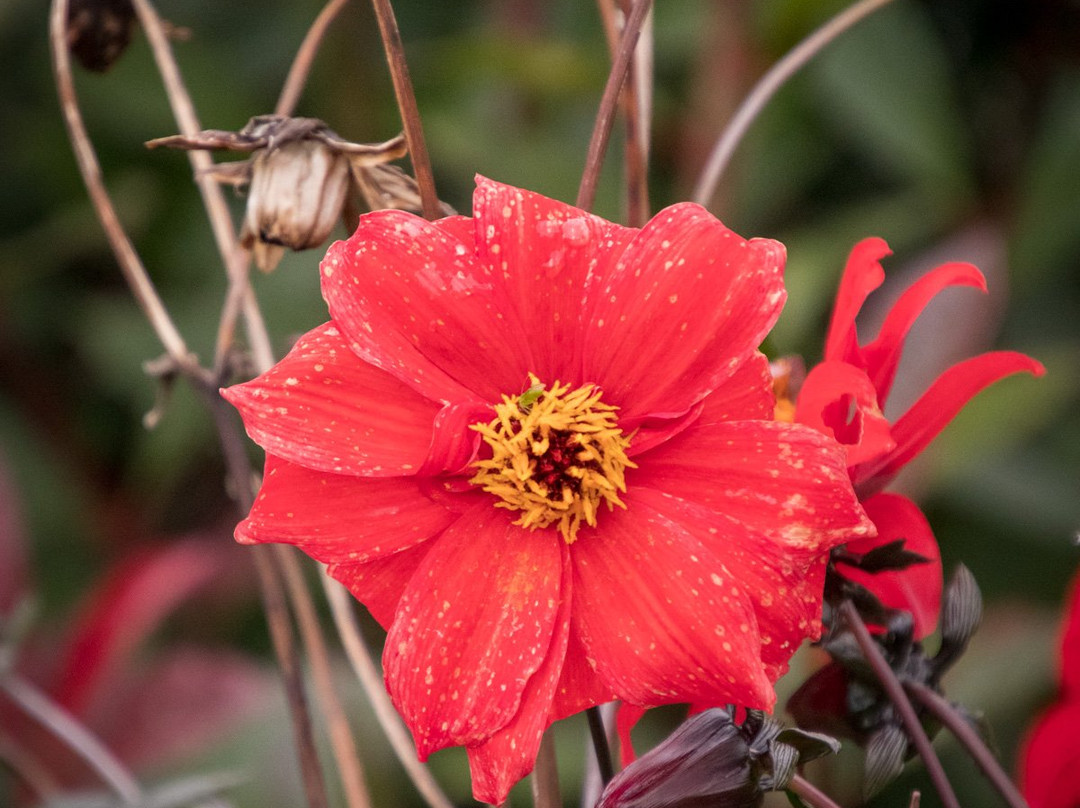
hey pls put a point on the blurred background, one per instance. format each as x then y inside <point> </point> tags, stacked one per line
<point>950,128</point>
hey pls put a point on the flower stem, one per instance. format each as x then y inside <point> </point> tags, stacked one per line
<point>372,681</point>
<point>410,113</point>
<point>305,56</point>
<point>895,691</point>
<point>810,793</point>
<point>66,728</point>
<point>605,116</point>
<point>546,791</point>
<point>600,744</point>
<point>969,738</point>
<point>767,86</point>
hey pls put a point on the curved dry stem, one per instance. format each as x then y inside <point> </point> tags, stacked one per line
<point>76,737</point>
<point>372,682</point>
<point>811,794</point>
<point>969,738</point>
<point>134,272</point>
<point>305,56</point>
<point>546,792</point>
<point>345,752</point>
<point>235,257</point>
<point>895,691</point>
<point>767,86</point>
<point>605,116</point>
<point>410,113</point>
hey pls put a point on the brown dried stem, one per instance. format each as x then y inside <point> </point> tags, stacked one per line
<point>605,116</point>
<point>341,607</point>
<point>305,56</point>
<point>811,794</point>
<point>132,268</point>
<point>76,737</point>
<point>895,691</point>
<point>969,738</point>
<point>767,86</point>
<point>410,113</point>
<point>546,792</point>
<point>634,103</point>
<point>345,751</point>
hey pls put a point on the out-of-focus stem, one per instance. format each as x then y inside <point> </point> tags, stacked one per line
<point>605,115</point>
<point>371,680</point>
<point>341,739</point>
<point>598,732</point>
<point>410,113</point>
<point>811,794</point>
<point>76,737</point>
<point>767,86</point>
<point>969,738</point>
<point>895,691</point>
<point>546,791</point>
<point>305,56</point>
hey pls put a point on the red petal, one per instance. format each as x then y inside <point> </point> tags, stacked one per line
<point>580,687</point>
<point>839,400</point>
<point>916,589</point>
<point>323,408</point>
<point>660,615</point>
<point>1050,759</point>
<point>544,253</point>
<point>1069,668</point>
<point>914,430</point>
<point>784,481</point>
<point>746,396</point>
<point>626,719</point>
<point>412,299</point>
<point>862,275</point>
<point>340,518</point>
<point>125,608</point>
<point>379,584</point>
<point>781,585</point>
<point>686,305</point>
<point>881,357</point>
<point>510,754</point>
<point>474,625</point>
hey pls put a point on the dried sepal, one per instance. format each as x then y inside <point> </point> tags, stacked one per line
<point>961,612</point>
<point>885,754</point>
<point>386,186</point>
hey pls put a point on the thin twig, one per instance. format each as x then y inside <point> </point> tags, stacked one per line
<point>895,691</point>
<point>410,113</point>
<point>635,152</point>
<point>234,256</point>
<point>600,743</point>
<point>767,86</point>
<point>605,116</point>
<point>810,793</point>
<point>969,738</point>
<point>305,56</point>
<point>372,681</point>
<point>134,272</point>
<point>76,737</point>
<point>341,739</point>
<point>546,792</point>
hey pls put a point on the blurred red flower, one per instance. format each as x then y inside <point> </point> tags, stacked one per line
<point>539,447</point>
<point>845,394</point>
<point>1050,754</point>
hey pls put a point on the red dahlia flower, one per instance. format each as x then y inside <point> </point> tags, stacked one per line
<point>539,447</point>
<point>844,397</point>
<point>1051,751</point>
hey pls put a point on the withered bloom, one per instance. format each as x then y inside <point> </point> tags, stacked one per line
<point>301,174</point>
<point>712,762</point>
<point>98,31</point>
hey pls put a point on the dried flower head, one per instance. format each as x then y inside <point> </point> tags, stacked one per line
<point>300,176</point>
<point>98,31</point>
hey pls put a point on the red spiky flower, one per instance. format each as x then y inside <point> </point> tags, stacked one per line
<point>539,447</point>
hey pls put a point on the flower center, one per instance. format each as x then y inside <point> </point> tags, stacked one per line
<point>556,455</point>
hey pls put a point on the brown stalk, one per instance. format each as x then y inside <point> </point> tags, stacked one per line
<point>605,116</point>
<point>546,792</point>
<point>895,691</point>
<point>410,113</point>
<point>811,794</point>
<point>767,86</point>
<point>305,57</point>
<point>969,738</point>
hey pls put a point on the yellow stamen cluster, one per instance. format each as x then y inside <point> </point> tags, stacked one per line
<point>556,455</point>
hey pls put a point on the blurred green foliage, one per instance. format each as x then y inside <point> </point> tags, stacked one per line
<point>931,121</point>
